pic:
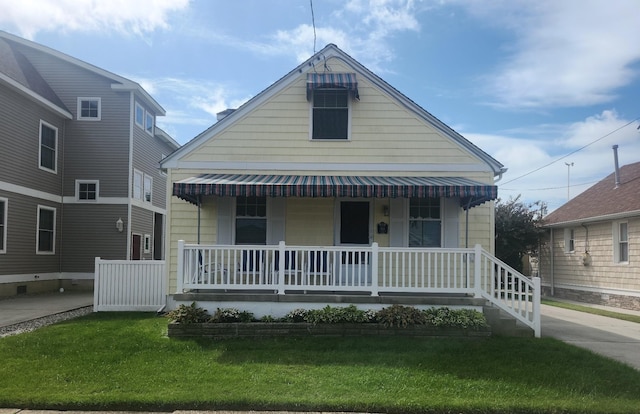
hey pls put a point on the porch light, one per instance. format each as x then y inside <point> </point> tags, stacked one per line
<point>119,225</point>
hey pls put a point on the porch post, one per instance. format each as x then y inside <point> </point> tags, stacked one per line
<point>374,269</point>
<point>180,266</point>
<point>536,306</point>
<point>477,270</point>
<point>281,265</point>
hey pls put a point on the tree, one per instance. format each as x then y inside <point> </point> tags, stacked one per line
<point>518,230</point>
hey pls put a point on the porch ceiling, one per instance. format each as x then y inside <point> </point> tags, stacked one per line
<point>471,193</point>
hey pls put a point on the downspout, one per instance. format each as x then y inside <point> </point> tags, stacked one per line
<point>61,232</point>
<point>552,263</point>
<point>130,174</point>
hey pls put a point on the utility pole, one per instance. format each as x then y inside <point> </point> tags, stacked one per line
<point>569,165</point>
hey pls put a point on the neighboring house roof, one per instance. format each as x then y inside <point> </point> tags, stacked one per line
<point>166,138</point>
<point>332,51</point>
<point>119,83</point>
<point>17,72</point>
<point>603,201</point>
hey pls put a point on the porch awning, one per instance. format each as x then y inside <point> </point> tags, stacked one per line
<point>471,193</point>
<point>332,80</point>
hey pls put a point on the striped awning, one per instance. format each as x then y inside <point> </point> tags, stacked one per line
<point>471,193</point>
<point>332,80</point>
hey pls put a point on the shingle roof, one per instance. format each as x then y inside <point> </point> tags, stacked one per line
<point>16,66</point>
<point>603,199</point>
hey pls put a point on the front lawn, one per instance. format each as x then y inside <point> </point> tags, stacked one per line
<point>124,361</point>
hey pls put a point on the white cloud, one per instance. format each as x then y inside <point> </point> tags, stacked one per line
<point>123,16</point>
<point>568,53</point>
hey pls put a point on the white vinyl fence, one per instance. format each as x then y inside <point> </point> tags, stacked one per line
<point>129,285</point>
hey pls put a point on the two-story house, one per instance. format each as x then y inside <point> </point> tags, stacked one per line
<point>79,169</point>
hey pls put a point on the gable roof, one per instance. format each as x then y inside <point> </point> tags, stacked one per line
<point>119,83</point>
<point>603,201</point>
<point>332,51</point>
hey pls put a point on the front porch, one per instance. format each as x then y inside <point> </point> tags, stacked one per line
<point>282,277</point>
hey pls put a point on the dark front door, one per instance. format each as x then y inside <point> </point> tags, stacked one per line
<point>354,222</point>
<point>136,242</point>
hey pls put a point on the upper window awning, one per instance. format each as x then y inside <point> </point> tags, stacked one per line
<point>471,193</point>
<point>331,80</point>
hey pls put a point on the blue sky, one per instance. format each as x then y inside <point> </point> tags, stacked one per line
<point>536,84</point>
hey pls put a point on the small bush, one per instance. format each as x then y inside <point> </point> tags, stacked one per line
<point>460,318</point>
<point>296,315</point>
<point>188,314</point>
<point>230,315</point>
<point>400,316</point>
<point>349,314</point>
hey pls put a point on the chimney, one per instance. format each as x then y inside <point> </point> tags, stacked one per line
<point>221,115</point>
<point>615,160</point>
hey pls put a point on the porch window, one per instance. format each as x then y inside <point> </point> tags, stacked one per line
<point>251,220</point>
<point>330,114</point>
<point>425,222</point>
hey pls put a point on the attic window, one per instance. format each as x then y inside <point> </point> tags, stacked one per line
<point>331,80</point>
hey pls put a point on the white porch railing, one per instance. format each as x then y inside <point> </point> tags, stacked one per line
<point>369,269</point>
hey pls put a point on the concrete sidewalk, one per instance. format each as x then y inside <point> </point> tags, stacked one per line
<point>613,338</point>
<point>26,308</point>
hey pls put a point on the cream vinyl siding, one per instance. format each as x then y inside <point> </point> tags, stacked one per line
<point>603,272</point>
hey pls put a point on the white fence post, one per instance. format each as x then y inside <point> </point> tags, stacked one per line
<point>536,307</point>
<point>477,270</point>
<point>96,285</point>
<point>374,269</point>
<point>180,267</point>
<point>281,266</point>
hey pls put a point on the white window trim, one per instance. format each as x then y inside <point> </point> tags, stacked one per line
<point>96,182</point>
<point>3,233</point>
<point>89,118</point>
<point>616,242</point>
<point>567,240</point>
<point>153,123</point>
<point>53,247</point>
<point>144,188</point>
<point>135,113</point>
<point>146,246</point>
<point>55,170</point>
<point>140,195</point>
<point>348,139</point>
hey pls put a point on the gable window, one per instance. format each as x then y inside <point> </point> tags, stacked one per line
<point>569,240</point>
<point>87,190</point>
<point>148,187</point>
<point>48,147</point>
<point>45,237</point>
<point>425,222</point>
<point>620,242</point>
<point>89,109</point>
<point>148,125</point>
<point>251,220</point>
<point>3,225</point>
<point>137,184</point>
<point>139,115</point>
<point>330,114</point>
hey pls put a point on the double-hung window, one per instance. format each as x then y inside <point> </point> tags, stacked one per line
<point>139,115</point>
<point>148,188</point>
<point>621,242</point>
<point>144,119</point>
<point>3,224</point>
<point>251,220</point>
<point>148,124</point>
<point>330,114</point>
<point>48,147</point>
<point>138,177</point>
<point>46,235</point>
<point>89,109</point>
<point>425,222</point>
<point>569,240</point>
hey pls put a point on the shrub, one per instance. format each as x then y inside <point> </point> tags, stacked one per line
<point>349,314</point>
<point>230,315</point>
<point>296,315</point>
<point>400,316</point>
<point>460,318</point>
<point>188,314</point>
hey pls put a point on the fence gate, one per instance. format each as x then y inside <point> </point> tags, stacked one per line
<point>129,285</point>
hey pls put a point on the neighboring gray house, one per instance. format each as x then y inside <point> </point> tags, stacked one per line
<point>79,169</point>
<point>593,253</point>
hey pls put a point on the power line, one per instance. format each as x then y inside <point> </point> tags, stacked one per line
<point>573,152</point>
<point>547,188</point>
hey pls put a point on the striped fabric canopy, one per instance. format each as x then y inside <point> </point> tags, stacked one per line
<point>471,193</point>
<point>332,80</point>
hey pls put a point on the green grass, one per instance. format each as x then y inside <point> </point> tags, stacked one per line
<point>595,311</point>
<point>124,361</point>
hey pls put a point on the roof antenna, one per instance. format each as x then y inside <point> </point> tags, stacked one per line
<point>313,22</point>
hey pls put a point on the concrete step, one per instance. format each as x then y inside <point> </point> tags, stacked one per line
<point>503,324</point>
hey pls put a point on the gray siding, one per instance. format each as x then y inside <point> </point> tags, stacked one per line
<point>22,218</point>
<point>90,232</point>
<point>142,223</point>
<point>20,138</point>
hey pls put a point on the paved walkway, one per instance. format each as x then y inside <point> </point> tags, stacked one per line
<point>28,307</point>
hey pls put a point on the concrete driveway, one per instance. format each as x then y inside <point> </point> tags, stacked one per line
<point>613,338</point>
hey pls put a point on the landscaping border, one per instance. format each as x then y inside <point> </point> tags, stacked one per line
<point>301,329</point>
